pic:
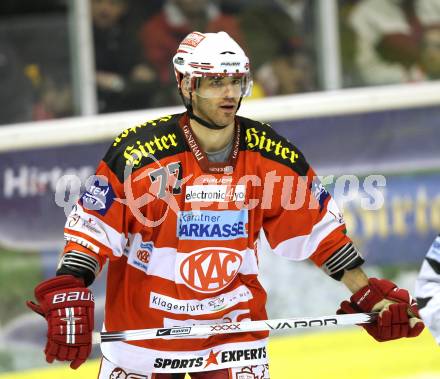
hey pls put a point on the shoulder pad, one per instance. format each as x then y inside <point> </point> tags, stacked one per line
<point>262,138</point>
<point>143,144</point>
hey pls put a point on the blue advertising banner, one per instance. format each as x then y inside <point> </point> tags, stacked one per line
<point>405,141</point>
<point>402,139</point>
<point>30,218</point>
<point>403,228</point>
<point>398,232</point>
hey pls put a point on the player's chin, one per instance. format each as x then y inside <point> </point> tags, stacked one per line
<point>225,119</point>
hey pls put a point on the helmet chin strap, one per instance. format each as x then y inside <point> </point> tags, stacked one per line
<point>209,125</point>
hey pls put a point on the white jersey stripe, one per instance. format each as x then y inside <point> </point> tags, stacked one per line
<point>73,324</point>
<point>302,247</point>
<point>143,359</point>
<point>67,326</point>
<point>94,227</point>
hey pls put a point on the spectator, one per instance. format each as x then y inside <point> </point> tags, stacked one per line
<point>265,40</point>
<point>287,73</point>
<point>141,10</point>
<point>16,90</point>
<point>162,33</point>
<point>54,95</point>
<point>430,55</point>
<point>122,76</point>
<point>301,13</point>
<point>389,33</point>
<point>347,35</point>
<point>278,47</point>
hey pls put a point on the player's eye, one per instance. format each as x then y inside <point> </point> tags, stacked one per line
<point>217,82</point>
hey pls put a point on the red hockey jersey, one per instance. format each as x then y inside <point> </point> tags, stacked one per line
<point>179,234</point>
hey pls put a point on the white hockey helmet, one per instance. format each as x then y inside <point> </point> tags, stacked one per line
<point>211,55</point>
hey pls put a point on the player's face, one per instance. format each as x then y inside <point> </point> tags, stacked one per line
<point>106,13</point>
<point>216,99</point>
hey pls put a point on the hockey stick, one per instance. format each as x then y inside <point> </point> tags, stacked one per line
<point>235,327</point>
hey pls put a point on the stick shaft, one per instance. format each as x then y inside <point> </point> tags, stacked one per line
<point>235,327</point>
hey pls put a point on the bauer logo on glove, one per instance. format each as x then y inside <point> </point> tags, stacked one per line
<point>68,307</point>
<point>72,296</point>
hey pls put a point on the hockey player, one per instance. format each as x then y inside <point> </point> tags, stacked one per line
<point>428,289</point>
<point>176,212</point>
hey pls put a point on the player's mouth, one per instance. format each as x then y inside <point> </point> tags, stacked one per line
<point>228,107</point>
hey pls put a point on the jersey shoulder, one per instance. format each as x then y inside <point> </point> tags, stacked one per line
<point>145,143</point>
<point>262,138</point>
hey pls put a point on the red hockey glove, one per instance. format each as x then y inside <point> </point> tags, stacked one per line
<point>398,313</point>
<point>68,307</point>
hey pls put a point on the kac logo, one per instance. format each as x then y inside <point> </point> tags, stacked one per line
<point>144,252</point>
<point>210,269</point>
<point>143,256</point>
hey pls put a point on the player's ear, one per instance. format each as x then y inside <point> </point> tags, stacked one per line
<point>185,86</point>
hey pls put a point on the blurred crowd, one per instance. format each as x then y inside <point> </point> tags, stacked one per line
<point>389,41</point>
<point>382,42</point>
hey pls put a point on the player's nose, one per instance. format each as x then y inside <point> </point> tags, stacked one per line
<point>230,91</point>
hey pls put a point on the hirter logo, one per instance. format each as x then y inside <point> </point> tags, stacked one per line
<point>210,269</point>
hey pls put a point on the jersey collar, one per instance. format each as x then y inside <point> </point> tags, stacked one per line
<point>201,157</point>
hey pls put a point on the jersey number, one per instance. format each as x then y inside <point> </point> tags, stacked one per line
<point>169,176</point>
